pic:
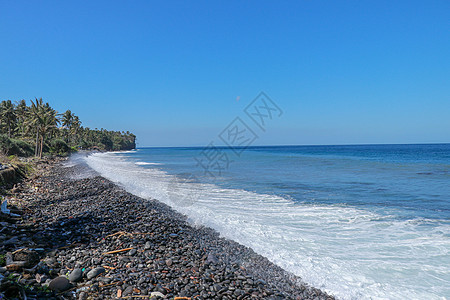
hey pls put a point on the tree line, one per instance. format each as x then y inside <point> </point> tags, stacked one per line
<point>35,129</point>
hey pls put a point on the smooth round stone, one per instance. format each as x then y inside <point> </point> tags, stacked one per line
<point>75,275</point>
<point>95,272</point>
<point>147,245</point>
<point>59,284</point>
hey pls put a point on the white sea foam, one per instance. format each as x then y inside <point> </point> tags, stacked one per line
<point>143,163</point>
<point>348,252</point>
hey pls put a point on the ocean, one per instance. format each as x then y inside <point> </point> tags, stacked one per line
<point>359,221</point>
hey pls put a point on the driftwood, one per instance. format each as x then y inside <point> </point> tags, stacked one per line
<point>117,251</point>
<point>12,265</point>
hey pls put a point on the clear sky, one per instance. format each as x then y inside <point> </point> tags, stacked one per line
<point>176,73</point>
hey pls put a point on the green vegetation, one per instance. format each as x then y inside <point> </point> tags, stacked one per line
<point>38,129</point>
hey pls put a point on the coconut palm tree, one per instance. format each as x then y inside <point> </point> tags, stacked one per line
<point>21,114</point>
<point>43,120</point>
<point>49,125</point>
<point>33,121</point>
<point>75,128</point>
<point>66,122</point>
<point>8,115</point>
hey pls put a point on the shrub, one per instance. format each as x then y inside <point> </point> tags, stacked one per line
<point>59,147</point>
<point>10,146</point>
<point>25,148</point>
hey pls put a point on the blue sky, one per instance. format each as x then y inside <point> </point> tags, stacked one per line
<point>343,72</point>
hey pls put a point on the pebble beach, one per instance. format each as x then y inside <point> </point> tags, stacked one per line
<point>79,236</point>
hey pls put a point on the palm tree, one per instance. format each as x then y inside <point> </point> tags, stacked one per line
<point>66,119</point>
<point>66,122</point>
<point>75,127</point>
<point>33,120</point>
<point>8,115</point>
<point>21,114</point>
<point>43,120</point>
<point>48,126</point>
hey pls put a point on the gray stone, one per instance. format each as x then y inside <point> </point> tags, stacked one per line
<point>75,275</point>
<point>11,241</point>
<point>212,259</point>
<point>95,272</point>
<point>127,291</point>
<point>147,245</point>
<point>59,284</point>
<point>82,296</point>
<point>169,262</point>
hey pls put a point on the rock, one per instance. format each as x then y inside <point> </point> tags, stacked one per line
<point>169,262</point>
<point>132,252</point>
<point>51,262</point>
<point>41,278</point>
<point>157,294</point>
<point>127,291</point>
<point>11,241</point>
<point>82,296</point>
<point>75,275</point>
<point>59,284</point>
<point>212,259</point>
<point>217,287</point>
<point>104,280</point>
<point>160,289</point>
<point>238,292</point>
<point>147,245</point>
<point>261,282</point>
<point>95,272</point>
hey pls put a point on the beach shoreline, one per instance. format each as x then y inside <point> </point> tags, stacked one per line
<point>78,223</point>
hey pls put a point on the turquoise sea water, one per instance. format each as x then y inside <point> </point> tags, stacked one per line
<point>361,222</point>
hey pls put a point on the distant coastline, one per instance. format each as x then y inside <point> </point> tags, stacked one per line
<point>38,129</point>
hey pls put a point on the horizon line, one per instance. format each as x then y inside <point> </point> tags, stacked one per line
<point>301,145</point>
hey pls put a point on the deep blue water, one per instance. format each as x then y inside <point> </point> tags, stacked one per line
<point>408,180</point>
